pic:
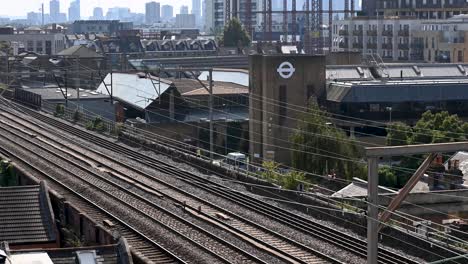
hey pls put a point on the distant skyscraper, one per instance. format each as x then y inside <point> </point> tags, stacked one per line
<point>118,13</point>
<point>196,8</point>
<point>98,13</point>
<point>184,10</point>
<point>167,12</point>
<point>196,11</point>
<point>74,12</point>
<point>153,12</point>
<point>54,10</point>
<point>34,18</point>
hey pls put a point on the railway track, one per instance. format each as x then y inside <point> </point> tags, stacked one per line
<point>325,233</point>
<point>127,201</point>
<point>279,245</point>
<point>140,242</point>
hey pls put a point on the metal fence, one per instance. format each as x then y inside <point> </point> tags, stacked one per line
<point>82,117</point>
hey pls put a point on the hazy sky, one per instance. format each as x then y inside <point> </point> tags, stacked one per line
<point>21,7</point>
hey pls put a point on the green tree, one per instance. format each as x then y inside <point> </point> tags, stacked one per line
<point>431,128</point>
<point>398,134</point>
<point>270,171</point>
<point>321,148</point>
<point>235,35</point>
<point>292,179</point>
<point>387,177</point>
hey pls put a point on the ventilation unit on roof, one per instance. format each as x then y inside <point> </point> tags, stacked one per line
<point>417,70</point>
<point>360,71</point>
<point>462,69</point>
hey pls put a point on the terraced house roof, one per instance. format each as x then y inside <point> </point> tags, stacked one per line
<point>26,216</point>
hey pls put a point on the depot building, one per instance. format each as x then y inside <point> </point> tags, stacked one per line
<point>281,87</point>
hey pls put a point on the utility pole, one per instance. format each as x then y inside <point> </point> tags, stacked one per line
<point>211,114</point>
<point>372,210</point>
<point>78,83</point>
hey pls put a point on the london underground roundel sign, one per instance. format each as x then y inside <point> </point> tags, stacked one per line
<point>286,70</point>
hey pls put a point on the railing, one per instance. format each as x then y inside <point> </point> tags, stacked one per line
<point>388,33</point>
<point>417,46</point>
<point>403,46</point>
<point>372,45</point>
<point>343,45</point>
<point>343,32</point>
<point>387,46</point>
<point>357,45</point>
<point>358,32</point>
<point>78,116</point>
<point>403,33</point>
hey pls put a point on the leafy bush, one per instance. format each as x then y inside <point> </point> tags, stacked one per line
<point>99,125</point>
<point>118,129</point>
<point>77,116</point>
<point>7,174</point>
<point>59,110</point>
<point>89,125</point>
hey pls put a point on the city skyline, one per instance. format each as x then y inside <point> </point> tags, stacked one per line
<point>138,6</point>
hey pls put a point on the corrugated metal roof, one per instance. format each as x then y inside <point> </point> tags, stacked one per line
<point>415,91</point>
<point>449,70</point>
<point>348,73</point>
<point>395,72</point>
<point>25,216</point>
<point>240,77</point>
<point>133,89</point>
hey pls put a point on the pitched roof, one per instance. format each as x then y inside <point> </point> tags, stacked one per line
<point>80,51</point>
<point>138,90</point>
<point>26,215</point>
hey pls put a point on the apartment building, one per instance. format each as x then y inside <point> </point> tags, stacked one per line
<point>391,38</point>
<point>399,39</point>
<point>421,9</point>
<point>444,41</point>
<point>215,15</point>
<point>40,43</point>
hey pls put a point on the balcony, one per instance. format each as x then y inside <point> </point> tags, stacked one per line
<point>357,32</point>
<point>343,32</point>
<point>343,45</point>
<point>403,46</point>
<point>419,46</point>
<point>371,45</point>
<point>403,33</point>
<point>388,46</point>
<point>357,45</point>
<point>372,32</point>
<point>403,58</point>
<point>388,33</point>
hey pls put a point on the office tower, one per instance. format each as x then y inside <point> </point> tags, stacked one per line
<point>167,12</point>
<point>54,10</point>
<point>98,13</point>
<point>74,12</point>
<point>153,12</point>
<point>184,10</point>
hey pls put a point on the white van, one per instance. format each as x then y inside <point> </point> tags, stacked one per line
<point>236,160</point>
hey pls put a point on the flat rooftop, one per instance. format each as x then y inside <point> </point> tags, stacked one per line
<point>48,93</point>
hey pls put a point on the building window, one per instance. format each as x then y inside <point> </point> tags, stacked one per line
<point>30,45</point>
<point>460,56</point>
<point>283,105</point>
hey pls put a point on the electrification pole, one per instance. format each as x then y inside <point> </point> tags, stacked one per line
<point>211,114</point>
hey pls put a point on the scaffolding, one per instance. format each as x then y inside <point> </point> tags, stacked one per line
<point>311,16</point>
